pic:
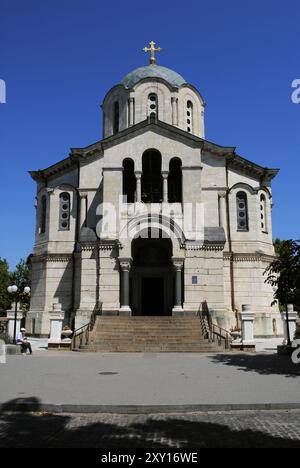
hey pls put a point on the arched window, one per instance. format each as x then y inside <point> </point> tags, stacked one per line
<point>116,117</point>
<point>43,214</point>
<point>152,106</point>
<point>242,211</point>
<point>152,182</point>
<point>175,181</point>
<point>263,213</point>
<point>64,211</point>
<point>189,117</point>
<point>129,181</point>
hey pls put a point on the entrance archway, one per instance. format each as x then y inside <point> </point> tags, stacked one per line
<point>152,277</point>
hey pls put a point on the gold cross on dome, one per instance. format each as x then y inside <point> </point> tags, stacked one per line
<point>152,49</point>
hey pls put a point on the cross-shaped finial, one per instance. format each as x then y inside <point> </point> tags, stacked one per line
<point>152,51</point>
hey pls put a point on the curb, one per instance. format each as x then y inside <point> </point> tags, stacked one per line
<point>141,409</point>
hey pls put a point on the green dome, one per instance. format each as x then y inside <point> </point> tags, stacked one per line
<point>153,71</point>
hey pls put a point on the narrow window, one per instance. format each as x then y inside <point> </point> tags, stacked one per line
<point>116,117</point>
<point>263,214</point>
<point>152,111</point>
<point>242,211</point>
<point>64,211</point>
<point>43,214</point>
<point>189,117</point>
<point>129,181</point>
<point>175,181</point>
<point>152,182</point>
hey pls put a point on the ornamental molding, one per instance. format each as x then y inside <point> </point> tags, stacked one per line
<point>88,246</point>
<point>109,245</point>
<point>205,247</point>
<point>249,257</point>
<point>58,257</point>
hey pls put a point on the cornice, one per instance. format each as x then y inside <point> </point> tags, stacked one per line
<point>248,257</point>
<point>205,246</point>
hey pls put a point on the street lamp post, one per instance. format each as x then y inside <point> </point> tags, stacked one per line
<point>288,335</point>
<point>14,290</point>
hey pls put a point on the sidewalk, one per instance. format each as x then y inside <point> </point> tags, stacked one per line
<point>92,382</point>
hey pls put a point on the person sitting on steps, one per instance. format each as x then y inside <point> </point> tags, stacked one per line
<point>22,340</point>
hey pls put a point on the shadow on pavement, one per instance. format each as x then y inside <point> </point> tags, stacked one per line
<point>262,364</point>
<point>40,430</point>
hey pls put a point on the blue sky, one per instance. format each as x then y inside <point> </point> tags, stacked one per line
<point>59,59</point>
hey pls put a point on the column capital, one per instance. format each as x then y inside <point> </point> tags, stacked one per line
<point>138,174</point>
<point>50,190</point>
<point>83,193</point>
<point>178,263</point>
<point>164,174</point>
<point>174,99</point>
<point>222,194</point>
<point>125,263</point>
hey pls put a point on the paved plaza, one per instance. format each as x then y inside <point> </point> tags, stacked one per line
<point>68,381</point>
<point>65,399</point>
<point>162,431</point>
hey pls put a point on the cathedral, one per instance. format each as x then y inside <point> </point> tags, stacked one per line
<point>153,219</point>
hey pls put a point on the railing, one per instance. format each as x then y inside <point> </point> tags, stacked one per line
<point>221,336</point>
<point>212,331</point>
<point>81,336</point>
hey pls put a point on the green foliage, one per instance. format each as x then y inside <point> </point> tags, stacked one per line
<point>5,281</point>
<point>21,277</point>
<point>284,272</point>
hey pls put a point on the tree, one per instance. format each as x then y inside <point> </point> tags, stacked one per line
<point>5,279</point>
<point>284,272</point>
<point>21,278</point>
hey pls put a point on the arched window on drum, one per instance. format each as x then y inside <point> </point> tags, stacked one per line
<point>242,211</point>
<point>152,110</point>
<point>64,211</point>
<point>189,116</point>
<point>263,214</point>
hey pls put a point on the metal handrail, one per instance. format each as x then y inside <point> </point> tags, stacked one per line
<point>211,330</point>
<point>220,334</point>
<point>81,336</point>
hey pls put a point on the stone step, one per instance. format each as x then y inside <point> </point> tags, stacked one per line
<point>148,334</point>
<point>153,349</point>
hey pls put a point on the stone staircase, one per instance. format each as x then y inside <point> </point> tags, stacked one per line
<point>148,334</point>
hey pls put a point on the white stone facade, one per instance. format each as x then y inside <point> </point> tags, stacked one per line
<point>94,263</point>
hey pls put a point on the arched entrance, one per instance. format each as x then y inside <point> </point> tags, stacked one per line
<point>152,277</point>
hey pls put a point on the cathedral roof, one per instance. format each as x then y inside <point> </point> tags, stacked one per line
<point>227,152</point>
<point>153,71</point>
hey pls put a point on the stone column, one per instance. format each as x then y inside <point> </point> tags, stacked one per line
<point>131,111</point>
<point>83,209</point>
<point>165,185</point>
<point>247,319</point>
<point>138,175</point>
<point>292,317</point>
<point>178,265</point>
<point>125,264</point>
<point>56,321</point>
<point>10,314</point>
<point>222,211</point>
<point>174,111</point>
